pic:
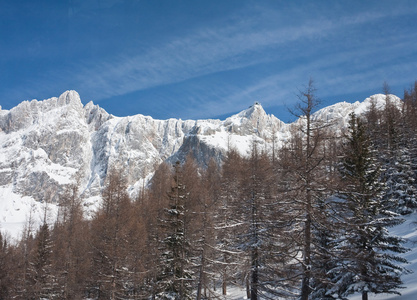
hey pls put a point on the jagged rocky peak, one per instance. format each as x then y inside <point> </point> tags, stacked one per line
<point>253,120</point>
<point>45,143</point>
<point>32,112</point>
<point>71,98</point>
<point>254,111</point>
<point>95,116</point>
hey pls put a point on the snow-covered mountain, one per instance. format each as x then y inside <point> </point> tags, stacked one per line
<point>47,145</point>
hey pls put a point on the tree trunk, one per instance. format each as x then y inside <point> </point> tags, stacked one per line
<point>305,287</point>
<point>254,275</point>
<point>247,288</point>
<point>200,281</point>
<point>224,279</point>
<point>364,295</point>
<point>224,288</point>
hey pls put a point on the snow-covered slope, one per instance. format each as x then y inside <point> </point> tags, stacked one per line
<point>47,145</point>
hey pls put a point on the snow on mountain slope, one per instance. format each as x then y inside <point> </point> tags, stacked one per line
<point>18,212</point>
<point>46,145</point>
<point>339,112</point>
<point>213,138</point>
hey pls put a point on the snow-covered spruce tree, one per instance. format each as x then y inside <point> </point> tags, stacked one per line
<point>174,276</point>
<point>408,145</point>
<point>21,261</point>
<point>325,228</point>
<point>300,203</point>
<point>389,136</point>
<point>156,201</point>
<point>366,254</point>
<point>40,269</point>
<point>409,132</point>
<point>266,239</point>
<point>400,181</point>
<point>197,225</point>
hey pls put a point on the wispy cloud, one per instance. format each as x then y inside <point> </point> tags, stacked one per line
<point>206,51</point>
<point>344,72</point>
<point>243,41</point>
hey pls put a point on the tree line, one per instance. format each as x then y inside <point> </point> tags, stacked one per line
<point>310,221</point>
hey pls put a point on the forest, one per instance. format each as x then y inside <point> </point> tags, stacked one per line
<point>308,220</point>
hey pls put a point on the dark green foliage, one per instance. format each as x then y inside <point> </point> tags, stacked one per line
<point>366,256</point>
<point>174,277</point>
<point>42,279</point>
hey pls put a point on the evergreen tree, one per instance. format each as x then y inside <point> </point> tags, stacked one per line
<point>156,200</point>
<point>394,154</point>
<point>401,183</point>
<point>408,146</point>
<point>367,262</point>
<point>253,243</point>
<point>411,125</point>
<point>174,278</point>
<point>40,269</point>
<point>23,255</point>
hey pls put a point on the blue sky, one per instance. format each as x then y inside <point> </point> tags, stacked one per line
<point>204,59</point>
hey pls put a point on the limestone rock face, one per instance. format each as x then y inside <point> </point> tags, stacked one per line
<point>135,145</point>
<point>43,145</point>
<point>47,145</point>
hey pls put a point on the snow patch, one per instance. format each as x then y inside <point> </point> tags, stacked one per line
<point>19,212</point>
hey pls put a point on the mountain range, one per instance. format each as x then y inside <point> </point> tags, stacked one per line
<point>47,145</point>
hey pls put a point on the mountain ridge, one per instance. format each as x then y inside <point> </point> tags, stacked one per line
<point>47,145</point>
